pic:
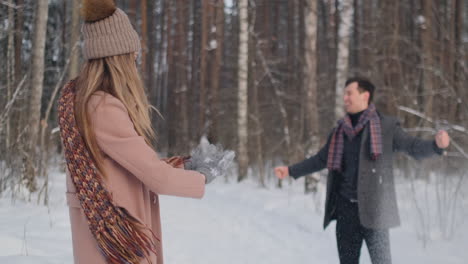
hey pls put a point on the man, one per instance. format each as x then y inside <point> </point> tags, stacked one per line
<point>360,185</point>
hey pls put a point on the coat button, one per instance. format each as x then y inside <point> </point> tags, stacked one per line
<point>373,170</point>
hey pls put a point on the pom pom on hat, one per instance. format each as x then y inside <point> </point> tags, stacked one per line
<point>95,10</point>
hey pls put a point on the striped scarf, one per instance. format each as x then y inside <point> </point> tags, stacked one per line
<point>345,126</point>
<point>121,238</point>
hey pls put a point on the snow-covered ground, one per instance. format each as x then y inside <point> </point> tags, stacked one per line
<point>233,223</point>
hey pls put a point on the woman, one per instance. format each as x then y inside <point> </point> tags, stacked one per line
<point>114,177</point>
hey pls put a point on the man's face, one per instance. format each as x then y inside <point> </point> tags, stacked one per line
<point>354,100</point>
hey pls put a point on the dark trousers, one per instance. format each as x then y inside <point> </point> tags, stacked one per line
<point>350,234</point>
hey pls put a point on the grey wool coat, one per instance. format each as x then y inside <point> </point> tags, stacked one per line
<point>377,201</point>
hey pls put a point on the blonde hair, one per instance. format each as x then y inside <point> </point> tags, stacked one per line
<point>118,76</point>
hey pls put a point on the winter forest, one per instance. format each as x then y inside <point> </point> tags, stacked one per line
<point>265,79</point>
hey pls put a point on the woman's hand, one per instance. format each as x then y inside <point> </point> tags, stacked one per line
<point>176,161</point>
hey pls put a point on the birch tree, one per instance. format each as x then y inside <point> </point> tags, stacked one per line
<point>310,80</point>
<point>242,103</point>
<point>344,31</point>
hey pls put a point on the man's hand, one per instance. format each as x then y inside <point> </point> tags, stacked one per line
<point>282,172</point>
<point>442,139</point>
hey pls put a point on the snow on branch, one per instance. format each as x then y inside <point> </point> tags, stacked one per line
<point>438,124</point>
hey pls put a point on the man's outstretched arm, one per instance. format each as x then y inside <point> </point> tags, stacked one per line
<point>420,148</point>
<point>310,165</point>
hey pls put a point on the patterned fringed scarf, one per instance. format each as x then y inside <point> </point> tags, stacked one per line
<point>121,238</point>
<point>335,151</point>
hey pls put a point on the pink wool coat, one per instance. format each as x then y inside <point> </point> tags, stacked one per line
<point>135,178</point>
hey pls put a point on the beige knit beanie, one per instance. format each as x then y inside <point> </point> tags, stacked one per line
<point>107,31</point>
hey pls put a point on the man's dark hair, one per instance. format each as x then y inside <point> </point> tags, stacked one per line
<point>364,85</point>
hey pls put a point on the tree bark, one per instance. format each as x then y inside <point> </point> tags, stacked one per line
<point>144,39</point>
<point>427,59</point>
<point>216,70</point>
<point>10,62</point>
<point>132,12</point>
<point>460,110</point>
<point>182,74</point>
<point>195,82</point>
<point>242,106</point>
<point>310,82</point>
<point>36,85</point>
<point>19,40</point>
<point>205,29</point>
<point>74,39</point>
<point>152,49</point>
<point>344,32</point>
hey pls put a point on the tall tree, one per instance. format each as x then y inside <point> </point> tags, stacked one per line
<point>151,48</point>
<point>132,11</point>
<point>460,107</point>
<point>342,63</point>
<point>195,82</point>
<point>260,49</point>
<point>169,108</point>
<point>242,77</point>
<point>36,85</point>
<point>205,30</point>
<point>216,66</point>
<point>182,75</point>
<point>310,80</point>
<point>427,43</point>
<point>19,38</point>
<point>74,40</point>
<point>10,62</point>
<point>144,38</point>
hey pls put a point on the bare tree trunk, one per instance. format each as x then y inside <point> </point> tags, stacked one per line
<point>310,69</point>
<point>182,75</point>
<point>10,61</point>
<point>144,39</point>
<point>216,70</point>
<point>170,109</point>
<point>327,38</point>
<point>160,52</point>
<point>18,39</point>
<point>344,32</point>
<point>242,106</point>
<point>460,108</point>
<point>427,48</point>
<point>261,21</point>
<point>37,78</point>
<point>205,29</point>
<point>45,136</point>
<point>18,118</point>
<point>132,12</point>
<point>310,82</point>
<point>165,62</point>
<point>195,64</point>
<point>74,39</point>
<point>152,48</point>
<point>366,37</point>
